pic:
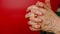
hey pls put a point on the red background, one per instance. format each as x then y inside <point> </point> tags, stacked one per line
<point>12,12</point>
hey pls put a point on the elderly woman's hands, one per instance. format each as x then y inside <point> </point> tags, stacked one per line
<point>42,17</point>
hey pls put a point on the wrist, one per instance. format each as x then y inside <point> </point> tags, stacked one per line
<point>56,27</point>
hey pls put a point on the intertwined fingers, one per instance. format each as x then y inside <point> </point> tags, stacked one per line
<point>34,16</point>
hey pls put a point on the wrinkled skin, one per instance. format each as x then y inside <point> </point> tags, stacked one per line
<point>42,17</point>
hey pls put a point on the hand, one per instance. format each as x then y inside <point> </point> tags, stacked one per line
<point>42,17</point>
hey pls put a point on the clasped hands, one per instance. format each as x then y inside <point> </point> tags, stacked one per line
<point>42,17</point>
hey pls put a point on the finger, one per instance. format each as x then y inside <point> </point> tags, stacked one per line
<point>33,29</point>
<point>48,3</point>
<point>31,23</point>
<point>31,8</point>
<point>43,5</point>
<point>35,19</point>
<point>30,14</point>
<point>36,26</point>
<point>39,4</point>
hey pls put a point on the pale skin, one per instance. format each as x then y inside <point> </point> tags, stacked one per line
<point>42,17</point>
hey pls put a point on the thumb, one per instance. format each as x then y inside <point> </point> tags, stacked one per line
<point>41,5</point>
<point>47,2</point>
